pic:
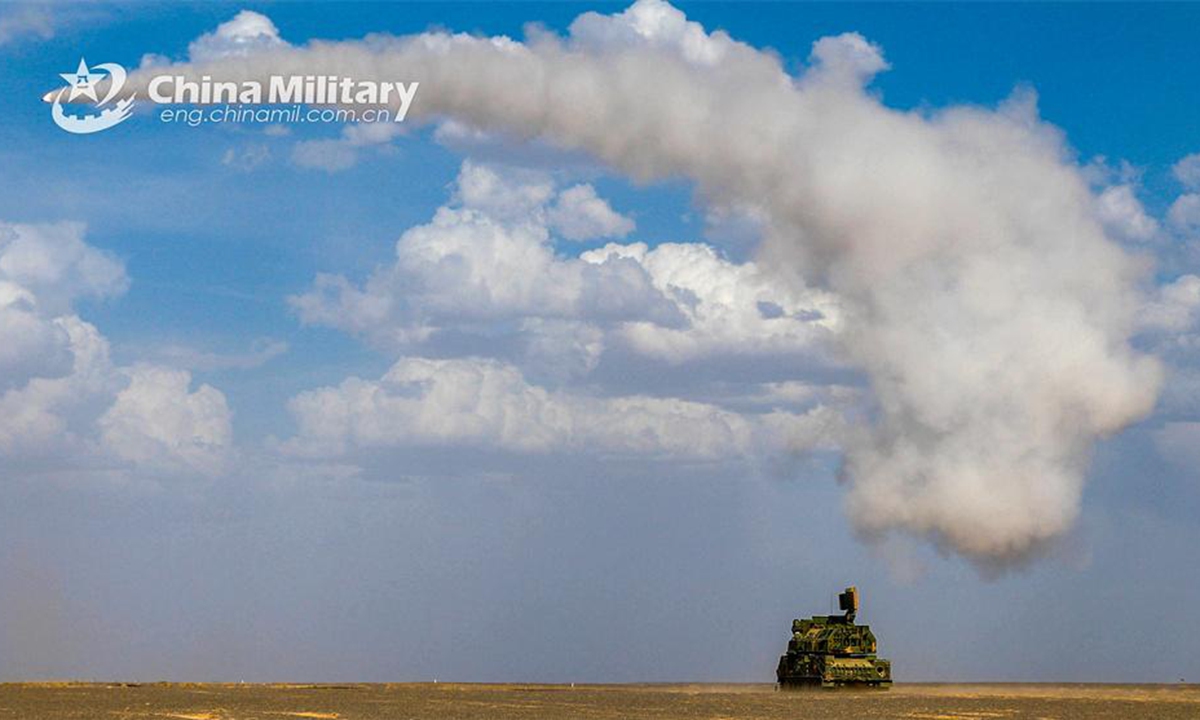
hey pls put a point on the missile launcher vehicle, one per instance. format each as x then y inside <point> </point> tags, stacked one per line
<point>828,651</point>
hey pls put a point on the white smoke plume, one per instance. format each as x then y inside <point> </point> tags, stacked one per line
<point>983,299</point>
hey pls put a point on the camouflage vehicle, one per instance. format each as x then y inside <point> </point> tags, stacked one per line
<point>831,651</point>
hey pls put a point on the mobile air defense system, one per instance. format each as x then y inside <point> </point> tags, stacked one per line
<point>828,651</point>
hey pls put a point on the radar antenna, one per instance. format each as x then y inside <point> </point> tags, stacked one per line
<point>848,602</point>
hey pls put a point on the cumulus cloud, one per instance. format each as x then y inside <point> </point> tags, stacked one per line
<point>504,193</point>
<point>485,403</point>
<point>469,265</point>
<point>157,421</point>
<point>981,293</point>
<point>54,263</point>
<point>1184,214</point>
<point>63,402</point>
<point>32,342</point>
<point>1173,307</point>
<point>489,256</point>
<point>43,269</point>
<point>47,415</point>
<point>848,56</point>
<point>1187,171</point>
<point>247,33</point>
<point>653,24</point>
<point>579,214</point>
<point>1123,214</point>
<point>729,308</point>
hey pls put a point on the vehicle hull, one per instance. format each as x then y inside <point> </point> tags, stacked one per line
<point>798,671</point>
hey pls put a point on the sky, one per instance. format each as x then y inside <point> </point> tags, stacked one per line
<point>650,328</point>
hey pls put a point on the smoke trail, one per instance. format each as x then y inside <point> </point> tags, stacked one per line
<point>984,301</point>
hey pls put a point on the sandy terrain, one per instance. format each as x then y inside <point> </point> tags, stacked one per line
<point>50,701</point>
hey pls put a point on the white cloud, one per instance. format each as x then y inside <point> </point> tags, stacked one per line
<point>247,33</point>
<point>1187,171</point>
<point>1173,308</point>
<point>1101,173</point>
<point>653,24</point>
<point>486,257</point>
<point>30,343</point>
<point>504,194</point>
<point>579,215</point>
<point>484,403</point>
<point>158,423</point>
<point>487,261</point>
<point>462,137</point>
<point>560,349</point>
<point>730,308</point>
<point>849,56</point>
<point>54,263</point>
<point>1184,213</point>
<point>47,416</point>
<point>43,269</point>
<point>489,257</point>
<point>63,403</point>
<point>1122,213</point>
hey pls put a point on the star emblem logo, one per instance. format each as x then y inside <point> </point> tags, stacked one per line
<point>82,81</point>
<point>103,112</point>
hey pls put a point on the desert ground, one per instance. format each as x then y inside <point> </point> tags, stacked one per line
<point>185,701</point>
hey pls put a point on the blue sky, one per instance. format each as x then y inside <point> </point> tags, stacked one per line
<point>272,478</point>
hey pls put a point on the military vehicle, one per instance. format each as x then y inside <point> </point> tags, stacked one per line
<point>828,651</point>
